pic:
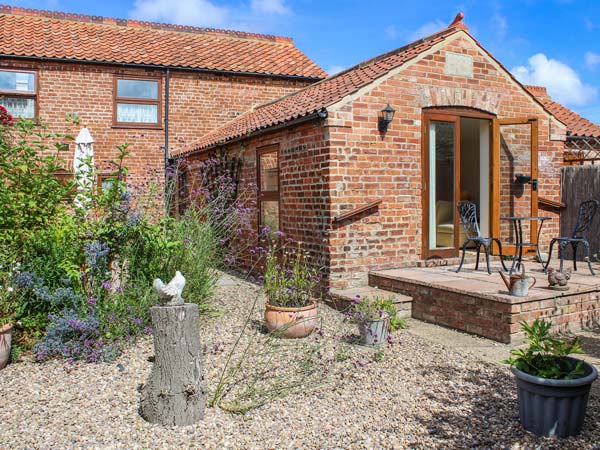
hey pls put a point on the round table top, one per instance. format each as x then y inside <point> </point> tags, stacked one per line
<point>526,218</point>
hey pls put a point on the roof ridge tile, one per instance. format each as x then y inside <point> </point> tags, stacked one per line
<point>85,18</point>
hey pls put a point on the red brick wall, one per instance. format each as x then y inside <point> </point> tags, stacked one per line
<point>367,165</point>
<point>199,102</point>
<point>303,186</point>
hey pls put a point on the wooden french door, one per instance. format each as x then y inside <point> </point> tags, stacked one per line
<point>514,152</point>
<point>441,184</point>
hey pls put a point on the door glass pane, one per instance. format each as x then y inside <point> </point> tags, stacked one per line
<point>136,113</point>
<point>515,196</point>
<point>137,89</point>
<point>442,154</point>
<point>269,177</point>
<point>269,215</point>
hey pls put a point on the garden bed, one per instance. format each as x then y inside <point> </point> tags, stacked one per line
<point>415,394</point>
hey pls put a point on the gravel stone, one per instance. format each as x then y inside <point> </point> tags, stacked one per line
<point>421,395</point>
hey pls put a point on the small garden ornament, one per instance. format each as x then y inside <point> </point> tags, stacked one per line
<point>518,285</point>
<point>174,393</point>
<point>558,280</point>
<point>170,294</point>
<point>552,387</point>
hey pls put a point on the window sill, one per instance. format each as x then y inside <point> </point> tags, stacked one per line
<point>137,126</point>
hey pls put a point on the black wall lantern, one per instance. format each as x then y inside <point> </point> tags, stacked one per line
<point>386,116</point>
<point>526,179</point>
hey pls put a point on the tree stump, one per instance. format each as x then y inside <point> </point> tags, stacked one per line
<point>174,393</point>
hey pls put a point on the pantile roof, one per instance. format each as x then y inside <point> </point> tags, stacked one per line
<point>576,125</point>
<point>56,35</point>
<point>317,97</point>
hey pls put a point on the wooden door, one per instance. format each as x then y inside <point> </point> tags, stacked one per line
<point>441,184</point>
<point>514,152</point>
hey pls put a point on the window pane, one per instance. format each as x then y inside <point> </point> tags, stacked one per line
<point>269,215</point>
<point>137,89</point>
<point>17,81</point>
<point>19,106</point>
<point>269,176</point>
<point>133,113</point>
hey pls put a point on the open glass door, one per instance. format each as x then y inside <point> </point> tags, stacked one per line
<point>514,179</point>
<point>441,181</point>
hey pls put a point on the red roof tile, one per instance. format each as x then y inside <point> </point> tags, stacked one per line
<point>318,96</point>
<point>576,125</point>
<point>57,35</point>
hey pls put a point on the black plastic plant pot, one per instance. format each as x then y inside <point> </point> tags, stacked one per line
<point>553,408</point>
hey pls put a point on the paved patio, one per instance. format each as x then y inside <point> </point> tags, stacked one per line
<point>469,280</point>
<point>478,303</point>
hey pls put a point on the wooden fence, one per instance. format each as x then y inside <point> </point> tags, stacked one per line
<point>579,183</point>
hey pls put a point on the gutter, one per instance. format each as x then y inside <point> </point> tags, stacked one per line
<point>321,114</point>
<point>163,67</point>
<point>166,146</point>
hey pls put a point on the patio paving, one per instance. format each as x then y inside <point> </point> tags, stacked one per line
<point>479,303</point>
<point>479,282</point>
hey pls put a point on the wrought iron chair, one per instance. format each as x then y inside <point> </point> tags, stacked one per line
<point>467,212</point>
<point>585,216</point>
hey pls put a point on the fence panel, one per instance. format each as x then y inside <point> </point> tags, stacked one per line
<point>580,183</point>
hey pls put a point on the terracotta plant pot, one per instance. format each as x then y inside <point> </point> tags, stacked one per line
<point>5,340</point>
<point>291,322</point>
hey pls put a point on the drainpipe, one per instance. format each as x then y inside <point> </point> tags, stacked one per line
<point>166,146</point>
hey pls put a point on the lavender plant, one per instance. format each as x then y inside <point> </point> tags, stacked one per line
<point>289,278</point>
<point>368,309</point>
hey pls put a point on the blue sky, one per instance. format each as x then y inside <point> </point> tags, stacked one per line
<point>555,43</point>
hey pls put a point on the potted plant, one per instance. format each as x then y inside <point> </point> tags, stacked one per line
<point>289,284</point>
<point>552,387</point>
<point>374,317</point>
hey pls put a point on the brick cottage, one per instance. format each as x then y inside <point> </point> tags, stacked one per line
<point>367,197</point>
<point>155,86</point>
<point>367,194</point>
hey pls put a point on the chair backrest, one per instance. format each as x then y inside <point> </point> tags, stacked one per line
<point>585,216</point>
<point>467,211</point>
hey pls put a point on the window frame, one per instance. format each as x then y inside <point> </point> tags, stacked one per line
<point>158,125</point>
<point>15,93</point>
<point>268,195</point>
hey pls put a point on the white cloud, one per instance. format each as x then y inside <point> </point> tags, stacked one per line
<point>269,6</point>
<point>562,82</point>
<point>185,12</point>
<point>427,29</point>
<point>209,13</point>
<point>592,60</point>
<point>391,32</point>
<point>499,24</point>
<point>332,70</point>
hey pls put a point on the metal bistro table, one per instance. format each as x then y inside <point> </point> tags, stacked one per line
<point>519,244</point>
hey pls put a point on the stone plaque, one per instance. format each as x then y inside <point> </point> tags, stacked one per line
<point>458,64</point>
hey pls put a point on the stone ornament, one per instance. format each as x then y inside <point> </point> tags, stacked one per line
<point>170,294</point>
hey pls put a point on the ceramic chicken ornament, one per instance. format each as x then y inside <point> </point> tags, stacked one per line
<point>170,294</point>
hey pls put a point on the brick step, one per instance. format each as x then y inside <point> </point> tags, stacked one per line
<point>342,298</point>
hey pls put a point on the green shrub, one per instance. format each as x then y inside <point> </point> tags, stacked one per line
<point>545,355</point>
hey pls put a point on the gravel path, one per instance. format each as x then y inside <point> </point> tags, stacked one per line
<point>417,394</point>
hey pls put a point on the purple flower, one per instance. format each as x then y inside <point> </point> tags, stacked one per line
<point>92,301</point>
